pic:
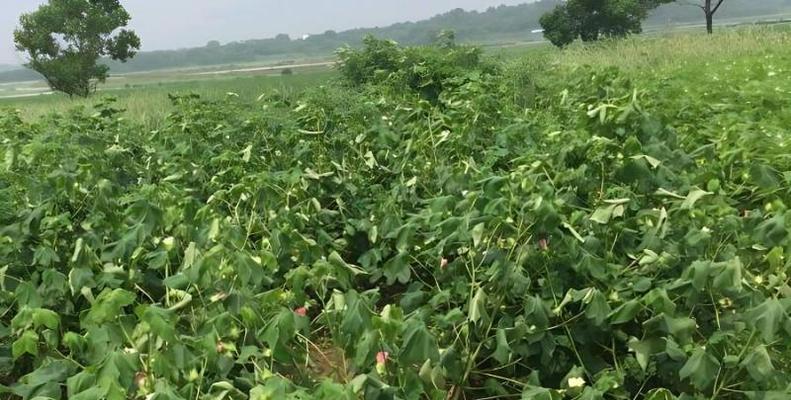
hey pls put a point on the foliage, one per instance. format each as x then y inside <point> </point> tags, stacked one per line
<point>606,237</point>
<point>592,20</point>
<point>64,40</point>
<point>427,70</point>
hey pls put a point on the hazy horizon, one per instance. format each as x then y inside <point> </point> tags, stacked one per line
<point>188,23</point>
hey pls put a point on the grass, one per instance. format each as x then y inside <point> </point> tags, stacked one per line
<point>677,50</point>
<point>146,98</point>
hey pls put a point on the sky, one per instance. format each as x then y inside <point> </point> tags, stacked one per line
<point>170,24</point>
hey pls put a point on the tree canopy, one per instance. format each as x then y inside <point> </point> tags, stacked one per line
<point>591,20</point>
<point>64,40</point>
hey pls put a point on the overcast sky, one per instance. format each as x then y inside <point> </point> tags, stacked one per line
<point>167,24</point>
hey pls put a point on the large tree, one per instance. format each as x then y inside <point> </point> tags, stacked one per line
<point>65,39</point>
<point>592,20</point>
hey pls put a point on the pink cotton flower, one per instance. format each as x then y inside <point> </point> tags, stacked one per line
<point>543,244</point>
<point>302,311</point>
<point>443,264</point>
<point>382,357</point>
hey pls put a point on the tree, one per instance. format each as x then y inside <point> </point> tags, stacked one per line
<point>559,27</point>
<point>592,20</point>
<point>709,8</point>
<point>446,39</point>
<point>64,40</point>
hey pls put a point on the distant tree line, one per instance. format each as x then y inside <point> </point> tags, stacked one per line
<point>493,24</point>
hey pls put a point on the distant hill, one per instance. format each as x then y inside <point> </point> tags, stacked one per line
<point>495,24</point>
<point>8,67</point>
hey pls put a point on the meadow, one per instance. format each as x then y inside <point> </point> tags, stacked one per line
<point>607,221</point>
<point>145,96</point>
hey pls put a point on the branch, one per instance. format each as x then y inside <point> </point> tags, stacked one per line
<point>717,7</point>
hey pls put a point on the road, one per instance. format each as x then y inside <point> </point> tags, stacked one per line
<point>270,68</point>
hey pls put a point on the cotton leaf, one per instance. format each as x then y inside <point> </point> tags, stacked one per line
<point>692,198</point>
<point>478,307</point>
<point>758,364</point>
<point>701,369</point>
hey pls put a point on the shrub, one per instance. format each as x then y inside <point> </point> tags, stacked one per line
<point>425,70</point>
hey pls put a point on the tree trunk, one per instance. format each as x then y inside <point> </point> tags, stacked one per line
<point>709,16</point>
<point>709,22</point>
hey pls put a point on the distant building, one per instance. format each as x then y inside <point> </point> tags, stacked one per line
<point>305,36</point>
<point>537,31</point>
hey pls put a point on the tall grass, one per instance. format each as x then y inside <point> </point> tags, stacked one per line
<point>652,52</point>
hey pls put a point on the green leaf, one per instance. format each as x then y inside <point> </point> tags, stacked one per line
<point>758,364</point>
<point>26,344</point>
<point>502,353</point>
<point>644,349</point>
<point>116,374</point>
<point>539,393</point>
<point>769,395</point>
<point>26,295</point>
<point>598,309</point>
<point>660,394</point>
<point>730,276</point>
<point>681,328</point>
<point>190,256</point>
<point>692,198</point>
<point>397,269</point>
<point>47,318</point>
<point>178,281</point>
<point>45,382</point>
<point>337,261</point>
<point>108,306</point>
<point>92,393</point>
<point>767,318</point>
<point>478,312</point>
<point>626,312</point>
<point>73,341</point>
<point>425,372</point>
<point>83,387</point>
<point>701,369</point>
<point>604,214</point>
<point>574,232</point>
<point>477,234</point>
<point>698,274</point>
<point>80,278</point>
<point>247,153</point>
<point>419,344</point>
<point>653,162</point>
<point>161,322</point>
<point>764,175</point>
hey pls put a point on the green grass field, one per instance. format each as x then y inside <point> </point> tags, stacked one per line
<point>147,99</point>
